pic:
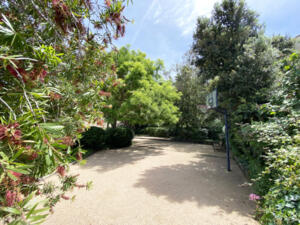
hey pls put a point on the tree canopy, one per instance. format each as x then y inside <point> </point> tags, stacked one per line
<point>192,99</point>
<point>231,52</point>
<point>142,97</point>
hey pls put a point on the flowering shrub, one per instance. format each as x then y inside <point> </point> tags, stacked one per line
<point>254,197</point>
<point>55,79</point>
<point>271,145</point>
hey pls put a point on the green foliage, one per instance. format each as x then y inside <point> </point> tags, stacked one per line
<point>151,104</point>
<point>193,134</point>
<point>218,41</point>
<point>188,83</point>
<point>52,68</point>
<point>270,149</point>
<point>260,89</point>
<point>282,202</point>
<point>94,138</point>
<point>142,96</point>
<point>156,131</point>
<point>285,45</point>
<point>233,55</point>
<point>119,137</point>
<point>283,159</point>
<point>215,129</point>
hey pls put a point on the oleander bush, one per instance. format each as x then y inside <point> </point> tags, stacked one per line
<point>56,78</point>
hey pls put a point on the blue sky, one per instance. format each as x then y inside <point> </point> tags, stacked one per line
<point>164,28</point>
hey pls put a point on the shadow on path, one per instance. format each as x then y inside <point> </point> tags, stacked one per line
<point>115,158</point>
<point>205,182</point>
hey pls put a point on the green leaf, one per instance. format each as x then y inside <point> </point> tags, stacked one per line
<point>82,162</point>
<point>17,154</point>
<point>18,170</point>
<point>31,210</point>
<point>11,210</point>
<point>22,166</point>
<point>27,199</point>
<point>2,176</point>
<point>37,218</point>
<point>41,210</point>
<point>51,126</point>
<point>48,161</point>
<point>38,95</point>
<point>4,156</point>
<point>59,145</point>
<point>12,176</point>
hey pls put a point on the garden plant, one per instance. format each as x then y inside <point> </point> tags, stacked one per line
<point>55,79</point>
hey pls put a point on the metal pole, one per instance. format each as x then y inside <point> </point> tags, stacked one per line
<point>227,141</point>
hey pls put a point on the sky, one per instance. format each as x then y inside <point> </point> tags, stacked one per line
<point>163,29</point>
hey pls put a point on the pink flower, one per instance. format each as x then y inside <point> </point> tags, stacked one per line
<point>33,156</point>
<point>80,185</point>
<point>67,141</point>
<point>61,170</point>
<point>254,197</point>
<point>104,93</point>
<point>65,197</point>
<point>79,156</point>
<point>16,174</point>
<point>107,3</point>
<point>10,197</point>
<point>11,132</point>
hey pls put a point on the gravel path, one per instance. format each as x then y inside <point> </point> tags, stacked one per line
<point>158,182</point>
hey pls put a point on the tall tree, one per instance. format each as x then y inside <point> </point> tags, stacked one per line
<point>188,83</point>
<point>230,49</point>
<point>142,97</point>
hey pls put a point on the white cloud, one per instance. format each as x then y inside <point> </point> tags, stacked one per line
<point>182,13</point>
<point>188,17</point>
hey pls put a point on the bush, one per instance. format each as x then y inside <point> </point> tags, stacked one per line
<point>215,130</point>
<point>282,203</point>
<point>119,137</point>
<point>191,134</point>
<point>94,139</point>
<point>157,131</point>
<point>270,150</point>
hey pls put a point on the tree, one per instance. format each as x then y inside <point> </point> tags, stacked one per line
<point>142,97</point>
<point>230,50</point>
<point>284,44</point>
<point>193,92</point>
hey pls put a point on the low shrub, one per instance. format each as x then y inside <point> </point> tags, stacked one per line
<point>198,135</point>
<point>157,131</point>
<point>215,130</point>
<point>281,204</point>
<point>119,137</point>
<point>93,139</point>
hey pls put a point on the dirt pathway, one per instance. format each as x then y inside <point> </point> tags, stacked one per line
<point>158,182</point>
